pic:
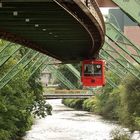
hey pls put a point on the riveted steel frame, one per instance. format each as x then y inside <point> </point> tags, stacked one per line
<point>22,63</point>
<point>60,76</point>
<point>121,63</point>
<point>130,7</point>
<point>113,33</point>
<point>122,58</point>
<point>7,52</point>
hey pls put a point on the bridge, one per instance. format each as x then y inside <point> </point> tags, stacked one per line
<point>54,26</point>
<point>65,94</point>
<point>68,30</point>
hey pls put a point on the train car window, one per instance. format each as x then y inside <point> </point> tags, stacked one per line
<point>97,69</point>
<point>92,70</point>
<point>88,70</point>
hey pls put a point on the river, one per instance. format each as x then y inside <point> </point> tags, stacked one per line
<point>68,124</point>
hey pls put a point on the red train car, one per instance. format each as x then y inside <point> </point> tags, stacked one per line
<point>93,73</point>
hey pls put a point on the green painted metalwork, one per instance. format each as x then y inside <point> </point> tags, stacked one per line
<point>7,52</point>
<point>116,73</point>
<point>38,65</point>
<point>53,28</point>
<point>111,83</point>
<point>121,63</point>
<point>22,63</point>
<point>130,7</point>
<point>4,45</point>
<point>122,58</point>
<point>73,70</point>
<point>34,62</point>
<point>60,76</point>
<point>6,55</point>
<point>111,66</point>
<point>122,42</point>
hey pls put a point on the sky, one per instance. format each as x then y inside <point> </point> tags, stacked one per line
<point>104,11</point>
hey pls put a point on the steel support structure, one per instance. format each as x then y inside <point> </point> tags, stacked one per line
<point>130,7</point>
<point>60,76</point>
<point>73,70</point>
<point>121,58</point>
<point>121,63</point>
<point>114,34</point>
<point>22,63</point>
<point>9,50</point>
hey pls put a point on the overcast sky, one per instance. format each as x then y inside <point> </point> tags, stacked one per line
<point>104,11</point>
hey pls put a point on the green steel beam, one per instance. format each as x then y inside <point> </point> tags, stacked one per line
<point>73,70</point>
<point>121,69</point>
<point>31,66</point>
<point>121,63</point>
<point>124,59</point>
<point>130,7</point>
<point>111,83</point>
<point>60,76</point>
<point>113,67</point>
<point>38,64</point>
<point>116,73</point>
<point>57,73</point>
<point>22,63</point>
<point>7,52</point>
<point>115,34</point>
<point>4,45</point>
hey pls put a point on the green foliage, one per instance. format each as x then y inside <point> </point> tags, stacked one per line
<point>19,100</point>
<point>122,103</point>
<point>118,134</point>
<point>73,103</point>
<point>90,104</point>
<point>129,109</point>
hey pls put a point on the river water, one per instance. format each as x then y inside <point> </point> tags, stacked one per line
<point>68,124</point>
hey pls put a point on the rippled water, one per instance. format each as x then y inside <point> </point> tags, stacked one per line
<point>68,124</point>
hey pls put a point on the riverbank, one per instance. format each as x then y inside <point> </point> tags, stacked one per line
<point>69,124</point>
<point>89,105</point>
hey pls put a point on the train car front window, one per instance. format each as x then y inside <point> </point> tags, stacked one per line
<point>97,70</point>
<point>92,70</point>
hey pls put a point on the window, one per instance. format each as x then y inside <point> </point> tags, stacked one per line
<point>92,70</point>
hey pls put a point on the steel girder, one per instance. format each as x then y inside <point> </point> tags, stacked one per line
<point>121,63</point>
<point>122,58</point>
<point>9,49</point>
<point>22,63</point>
<point>122,42</point>
<point>73,70</point>
<point>60,76</point>
<point>130,7</point>
<point>7,52</point>
<point>113,67</point>
<point>38,64</point>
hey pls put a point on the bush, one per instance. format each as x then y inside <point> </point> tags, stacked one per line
<point>129,109</point>
<point>118,134</point>
<point>73,103</point>
<point>18,99</point>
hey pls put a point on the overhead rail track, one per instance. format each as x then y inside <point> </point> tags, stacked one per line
<point>54,26</point>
